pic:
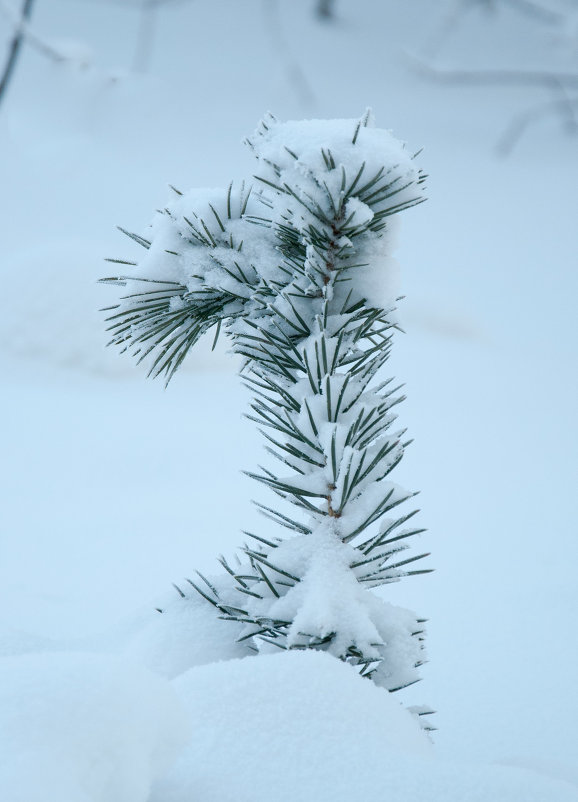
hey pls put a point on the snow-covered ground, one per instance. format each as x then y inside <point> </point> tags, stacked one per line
<point>112,487</point>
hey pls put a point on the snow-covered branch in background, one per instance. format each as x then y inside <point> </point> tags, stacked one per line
<point>554,22</point>
<point>299,272</point>
<point>19,21</point>
<point>24,34</point>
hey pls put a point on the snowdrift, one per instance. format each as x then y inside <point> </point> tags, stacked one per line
<point>296,726</point>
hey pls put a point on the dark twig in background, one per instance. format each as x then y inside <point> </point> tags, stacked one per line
<point>15,47</point>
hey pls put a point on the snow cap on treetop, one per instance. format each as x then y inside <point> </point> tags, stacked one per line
<point>306,146</point>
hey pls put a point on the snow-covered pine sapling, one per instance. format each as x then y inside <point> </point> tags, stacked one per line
<point>297,270</point>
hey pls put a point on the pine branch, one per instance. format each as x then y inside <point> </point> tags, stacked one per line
<point>279,274</point>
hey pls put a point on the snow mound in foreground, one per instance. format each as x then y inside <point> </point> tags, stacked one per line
<point>302,726</point>
<point>294,727</point>
<point>187,634</point>
<point>83,728</point>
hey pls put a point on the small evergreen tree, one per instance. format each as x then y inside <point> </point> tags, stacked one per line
<point>298,271</point>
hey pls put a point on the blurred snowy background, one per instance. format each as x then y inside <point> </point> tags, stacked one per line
<point>112,488</point>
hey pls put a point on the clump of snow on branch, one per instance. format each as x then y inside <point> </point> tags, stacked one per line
<point>183,633</point>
